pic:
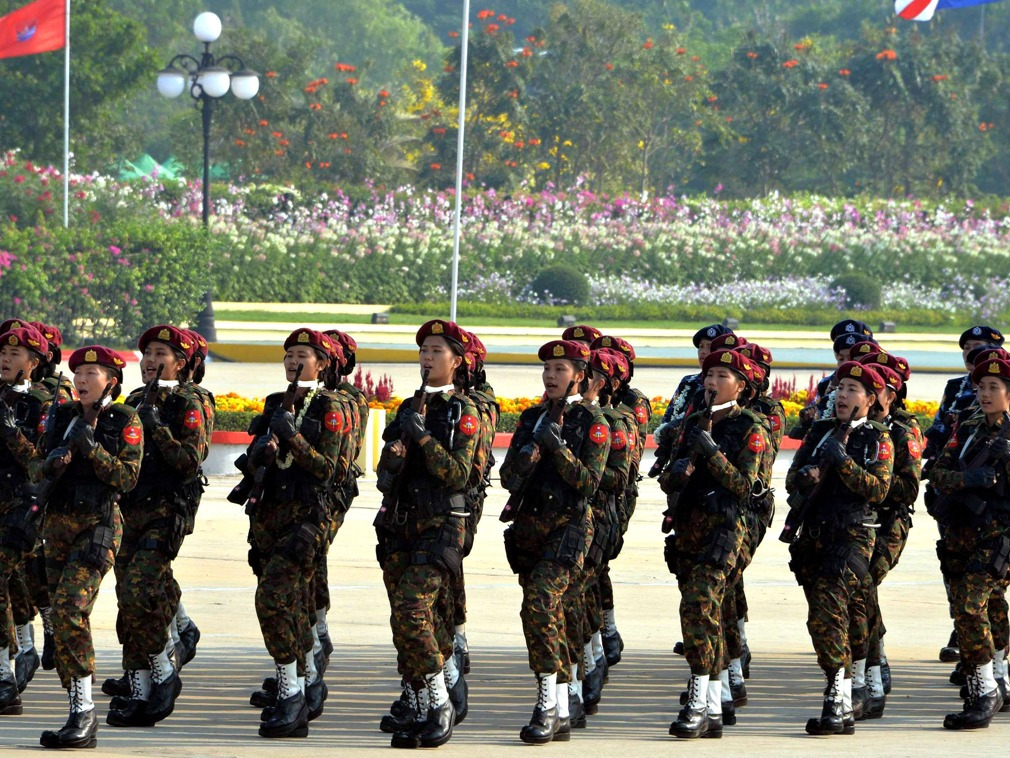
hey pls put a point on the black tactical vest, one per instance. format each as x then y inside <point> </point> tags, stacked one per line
<point>157,477</point>
<point>837,506</point>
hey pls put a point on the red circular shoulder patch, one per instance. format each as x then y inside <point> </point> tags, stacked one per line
<point>641,415</point>
<point>914,449</point>
<point>633,438</point>
<point>132,435</point>
<point>599,433</point>
<point>756,443</point>
<point>333,422</point>
<point>884,453</point>
<point>192,420</point>
<point>619,441</point>
<point>469,425</point>
<point>776,423</point>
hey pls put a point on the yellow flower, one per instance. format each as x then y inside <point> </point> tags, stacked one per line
<point>543,165</point>
<point>420,65</point>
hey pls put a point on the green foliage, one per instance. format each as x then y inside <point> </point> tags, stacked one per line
<point>560,285</point>
<point>233,421</point>
<point>861,291</point>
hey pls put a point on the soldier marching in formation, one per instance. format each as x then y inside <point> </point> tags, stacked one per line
<point>88,484</point>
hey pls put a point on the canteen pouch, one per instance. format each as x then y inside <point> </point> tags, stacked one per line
<point>442,547</point>
<point>300,545</point>
<point>520,561</point>
<point>98,553</point>
<point>720,550</point>
<point>670,553</point>
<point>570,547</point>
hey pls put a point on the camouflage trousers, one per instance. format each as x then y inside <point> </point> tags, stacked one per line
<point>837,585</point>
<point>544,583</point>
<point>419,587</point>
<point>576,605</point>
<point>73,586</point>
<point>145,586</point>
<point>13,596</point>
<point>734,589</point>
<point>887,548</point>
<point>980,608</point>
<point>284,568</point>
<point>708,547</point>
<point>321,576</point>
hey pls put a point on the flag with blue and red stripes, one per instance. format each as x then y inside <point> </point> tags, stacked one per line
<point>923,10</point>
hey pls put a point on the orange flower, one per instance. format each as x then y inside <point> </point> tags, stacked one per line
<point>284,142</point>
<point>271,74</point>
<point>492,28</point>
<point>681,50</point>
<point>343,135</point>
<point>983,126</point>
<point>345,68</point>
<point>240,142</point>
<point>940,77</point>
<point>310,90</point>
<point>712,98</point>
<point>514,94</point>
<point>688,78</point>
<point>512,64</point>
<point>278,135</point>
<point>648,44</point>
<point>527,52</point>
<point>531,39</point>
<point>333,135</point>
<point>278,152</point>
<point>608,66</point>
<point>382,103</point>
<point>436,166</point>
<point>249,131</point>
<point>822,85</point>
<point>887,55</point>
<point>325,164</point>
<point>695,58</point>
<point>520,144</point>
<point>384,93</point>
<point>503,18</point>
<point>791,63</point>
<point>752,55</point>
<point>485,14</point>
<point>347,151</point>
<point>843,72</point>
<point>351,80</point>
<point>534,141</point>
<point>469,177</point>
<point>264,122</point>
<point>454,34</point>
<point>439,130</point>
<point>308,165</point>
<point>316,106</point>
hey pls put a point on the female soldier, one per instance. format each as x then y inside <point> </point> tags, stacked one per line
<point>22,415</point>
<point>974,513</point>
<point>711,475</point>
<point>853,456</point>
<point>293,456</point>
<point>421,525</point>
<point>93,450</point>
<point>155,516</point>
<point>552,468</point>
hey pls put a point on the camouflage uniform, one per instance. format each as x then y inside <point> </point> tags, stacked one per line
<point>975,544</point>
<point>421,531</point>
<point>83,528</point>
<point>832,552</point>
<point>288,522</point>
<point>18,531</point>
<point>583,598</point>
<point>895,516</point>
<point>709,530</point>
<point>546,543</point>
<point>156,515</point>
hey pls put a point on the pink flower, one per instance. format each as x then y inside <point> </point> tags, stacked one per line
<point>114,250</point>
<point>17,301</point>
<point>19,179</point>
<point>148,288</point>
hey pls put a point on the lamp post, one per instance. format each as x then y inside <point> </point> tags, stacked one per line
<point>209,79</point>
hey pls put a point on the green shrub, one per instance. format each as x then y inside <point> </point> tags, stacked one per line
<point>861,291</point>
<point>233,421</point>
<point>561,285</point>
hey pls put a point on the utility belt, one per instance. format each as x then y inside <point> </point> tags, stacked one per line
<point>991,556</point>
<point>553,499</point>
<point>84,498</point>
<point>565,546</point>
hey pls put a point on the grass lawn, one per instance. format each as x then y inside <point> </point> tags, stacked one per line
<point>411,320</point>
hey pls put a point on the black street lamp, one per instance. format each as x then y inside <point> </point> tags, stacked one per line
<point>209,79</point>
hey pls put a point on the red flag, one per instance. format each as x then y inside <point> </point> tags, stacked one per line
<point>39,27</point>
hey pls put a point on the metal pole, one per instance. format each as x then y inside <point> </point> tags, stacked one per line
<point>66,122</point>
<point>465,43</point>
<point>206,110</point>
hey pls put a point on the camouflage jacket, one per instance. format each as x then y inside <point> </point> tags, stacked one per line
<point>18,453</point>
<point>775,414</point>
<point>904,487</point>
<point>947,474</point>
<point>621,454</point>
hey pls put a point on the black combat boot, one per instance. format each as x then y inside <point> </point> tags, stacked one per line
<point>613,646</point>
<point>951,652</point>
<point>188,640</point>
<point>290,715</point>
<point>544,722</point>
<point>833,710</point>
<point>165,688</point>
<point>132,712</point>
<point>576,712</point>
<point>592,690</point>
<point>459,694</point>
<point>436,729</point>
<point>315,695</point>
<point>406,736</point>
<point>81,729</point>
<point>692,721</point>
<point>26,663</point>
<point>48,641</point>
<point>402,713</point>
<point>984,700</point>
<point>10,698</point>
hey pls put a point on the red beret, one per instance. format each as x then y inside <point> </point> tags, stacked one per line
<point>52,334</point>
<point>756,353</point>
<point>200,346</point>
<point>99,355</point>
<point>26,337</point>
<point>759,373</point>
<point>864,348</point>
<point>892,378</point>
<point>476,347</point>
<point>727,342</point>
<point>615,343</point>
<point>582,333</point>
<point>896,363</point>
<point>176,338</point>
<point>865,375</point>
<point>13,323</point>
<point>457,338</point>
<point>981,354</point>
<point>603,362</point>
<point>997,368</point>
<point>621,368</point>
<point>569,349</point>
<point>730,359</point>
<point>310,338</point>
<point>343,341</point>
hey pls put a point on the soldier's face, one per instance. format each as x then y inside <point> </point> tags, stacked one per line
<point>725,383</point>
<point>842,356</point>
<point>993,395</point>
<point>970,345</point>
<point>159,354</point>
<point>558,373</point>
<point>852,400</point>
<point>312,363</point>
<point>90,381</point>
<point>14,358</point>
<point>704,348</point>
<point>440,360</point>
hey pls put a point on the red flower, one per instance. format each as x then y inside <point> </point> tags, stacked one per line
<point>887,55</point>
<point>608,66</point>
<point>527,52</point>
<point>512,64</point>
<point>351,80</point>
<point>648,44</point>
<point>308,165</point>
<point>345,68</point>
<point>791,63</point>
<point>822,85</point>
<point>681,50</point>
<point>382,103</point>
<point>284,142</point>
<point>469,177</point>
<point>940,77</point>
<point>436,166</point>
<point>519,144</point>
<point>531,39</point>
<point>325,164</point>
<point>534,141</point>
<point>278,135</point>
<point>485,14</point>
<point>347,151</point>
<point>752,55</point>
<point>333,135</point>
<point>271,74</point>
<point>695,58</point>
<point>249,131</point>
<point>439,130</point>
<point>240,142</point>
<point>843,72</point>
<point>383,93</point>
<point>688,78</point>
<point>454,34</point>
<point>502,17</point>
<point>316,106</point>
<point>492,28</point>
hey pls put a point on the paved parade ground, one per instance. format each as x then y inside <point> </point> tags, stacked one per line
<point>213,716</point>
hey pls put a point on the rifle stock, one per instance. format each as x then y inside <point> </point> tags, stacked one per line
<point>260,475</point>
<point>391,496</point>
<point>673,498</point>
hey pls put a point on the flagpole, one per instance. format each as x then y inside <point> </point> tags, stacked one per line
<point>465,39</point>
<point>66,121</point>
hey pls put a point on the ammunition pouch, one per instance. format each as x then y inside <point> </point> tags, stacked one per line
<point>20,529</point>
<point>566,545</point>
<point>301,542</point>
<point>670,553</point>
<point>442,547</point>
<point>1000,560</point>
<point>100,552</point>
<point>173,530</point>
<point>385,481</point>
<point>520,559</point>
<point>720,551</point>
<point>841,556</point>
<point>255,562</point>
<point>241,491</point>
<point>801,561</point>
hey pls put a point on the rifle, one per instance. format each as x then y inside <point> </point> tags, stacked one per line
<point>974,503</point>
<point>673,498</point>
<point>260,475</point>
<point>799,504</point>
<point>393,485</point>
<point>8,388</point>
<point>151,391</point>
<point>515,501</point>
